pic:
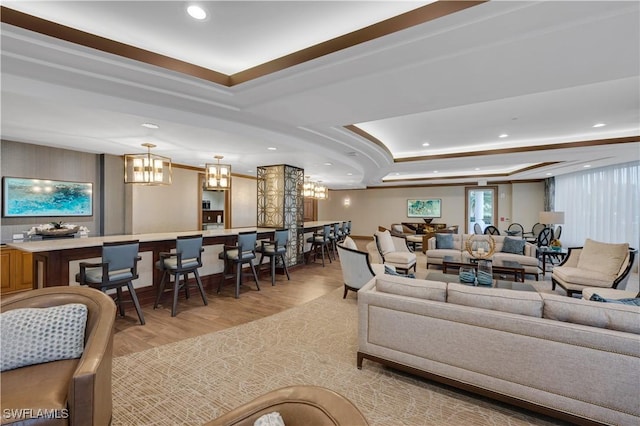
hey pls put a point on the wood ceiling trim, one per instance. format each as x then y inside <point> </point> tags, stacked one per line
<point>564,145</point>
<point>406,20</point>
<point>491,175</point>
<point>72,35</point>
<point>368,136</point>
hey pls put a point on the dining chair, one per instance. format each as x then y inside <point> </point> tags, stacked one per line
<point>491,230</point>
<point>515,230</point>
<point>118,268</point>
<point>243,252</point>
<point>275,249</point>
<point>477,229</point>
<point>185,260</point>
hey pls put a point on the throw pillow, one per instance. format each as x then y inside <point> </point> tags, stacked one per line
<point>444,241</point>
<point>38,335</point>
<point>392,271</point>
<point>631,301</point>
<point>349,243</point>
<point>600,257</point>
<point>513,245</point>
<point>385,242</point>
<point>271,419</point>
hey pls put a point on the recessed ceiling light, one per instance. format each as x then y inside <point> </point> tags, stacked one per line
<point>477,168</point>
<point>435,171</point>
<point>250,171</point>
<point>349,174</point>
<point>599,125</point>
<point>587,166</point>
<point>425,144</point>
<point>328,164</point>
<point>504,135</point>
<point>272,148</point>
<point>196,12</point>
<point>150,126</point>
<point>549,174</point>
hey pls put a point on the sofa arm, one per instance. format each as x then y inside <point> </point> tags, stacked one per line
<point>298,405</point>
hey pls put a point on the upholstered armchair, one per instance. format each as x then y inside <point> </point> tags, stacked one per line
<point>297,405</point>
<point>356,268</point>
<point>596,264</point>
<point>77,391</point>
<point>395,251</point>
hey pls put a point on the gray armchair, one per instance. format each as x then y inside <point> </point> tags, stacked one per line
<point>356,268</point>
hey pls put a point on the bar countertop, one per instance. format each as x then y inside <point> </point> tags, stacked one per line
<point>75,243</point>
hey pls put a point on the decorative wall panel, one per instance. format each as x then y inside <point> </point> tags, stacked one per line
<point>280,205</point>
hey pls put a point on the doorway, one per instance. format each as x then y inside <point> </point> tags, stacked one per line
<point>481,206</point>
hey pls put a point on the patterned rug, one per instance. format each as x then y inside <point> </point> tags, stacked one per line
<point>195,380</point>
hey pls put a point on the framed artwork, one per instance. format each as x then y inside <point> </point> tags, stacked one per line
<point>431,207</point>
<point>24,197</point>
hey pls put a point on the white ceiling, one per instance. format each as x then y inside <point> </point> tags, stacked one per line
<point>542,72</point>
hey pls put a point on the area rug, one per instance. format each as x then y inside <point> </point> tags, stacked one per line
<point>195,380</point>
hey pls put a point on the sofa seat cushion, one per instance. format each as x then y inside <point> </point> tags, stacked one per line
<point>400,258</point>
<point>603,258</point>
<point>421,289</point>
<point>38,387</point>
<point>582,277</point>
<point>441,253</point>
<point>612,316</point>
<point>521,259</point>
<point>516,302</point>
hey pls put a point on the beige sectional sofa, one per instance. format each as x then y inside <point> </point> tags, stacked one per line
<point>528,259</point>
<point>573,359</point>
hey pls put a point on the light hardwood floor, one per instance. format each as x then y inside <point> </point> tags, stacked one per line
<point>224,310</point>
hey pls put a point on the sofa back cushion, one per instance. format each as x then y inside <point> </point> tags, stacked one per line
<point>605,258</point>
<point>513,245</point>
<point>516,302</point>
<point>444,241</point>
<point>595,314</point>
<point>421,289</point>
<point>385,242</point>
<point>38,335</point>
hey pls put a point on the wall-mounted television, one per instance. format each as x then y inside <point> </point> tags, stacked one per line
<point>431,207</point>
<point>24,197</point>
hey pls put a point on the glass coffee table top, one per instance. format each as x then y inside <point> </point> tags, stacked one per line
<point>504,284</point>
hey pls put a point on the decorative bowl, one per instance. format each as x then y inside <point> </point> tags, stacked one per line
<point>58,232</point>
<point>467,275</point>
<point>484,278</point>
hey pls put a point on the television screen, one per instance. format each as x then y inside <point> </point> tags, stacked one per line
<point>424,208</point>
<point>42,197</point>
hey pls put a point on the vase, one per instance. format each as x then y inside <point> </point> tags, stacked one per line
<point>467,275</point>
<point>485,272</point>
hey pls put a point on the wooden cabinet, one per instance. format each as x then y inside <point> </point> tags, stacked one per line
<point>16,270</point>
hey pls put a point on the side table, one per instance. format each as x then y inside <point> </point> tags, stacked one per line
<point>545,252</point>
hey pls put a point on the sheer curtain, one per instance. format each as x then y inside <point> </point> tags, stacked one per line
<point>602,204</point>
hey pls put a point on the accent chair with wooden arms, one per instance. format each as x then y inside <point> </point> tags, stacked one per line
<point>395,251</point>
<point>596,264</point>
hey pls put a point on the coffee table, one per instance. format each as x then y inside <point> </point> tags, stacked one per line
<point>498,267</point>
<point>509,285</point>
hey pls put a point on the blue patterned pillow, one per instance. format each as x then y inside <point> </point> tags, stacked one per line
<point>444,241</point>
<point>38,335</point>
<point>631,301</point>
<point>513,245</point>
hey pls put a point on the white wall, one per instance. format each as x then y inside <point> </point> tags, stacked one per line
<point>165,208</point>
<point>370,208</point>
<point>244,202</point>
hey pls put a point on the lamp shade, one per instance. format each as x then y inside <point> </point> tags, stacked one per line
<point>551,218</point>
<point>147,168</point>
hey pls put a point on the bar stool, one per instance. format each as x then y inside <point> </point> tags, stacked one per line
<point>320,241</point>
<point>243,252</point>
<point>274,249</point>
<point>119,267</point>
<point>186,259</point>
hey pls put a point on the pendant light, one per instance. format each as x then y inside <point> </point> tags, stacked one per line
<point>147,168</point>
<point>217,176</point>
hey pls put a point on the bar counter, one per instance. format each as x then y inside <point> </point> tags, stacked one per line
<point>56,261</point>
